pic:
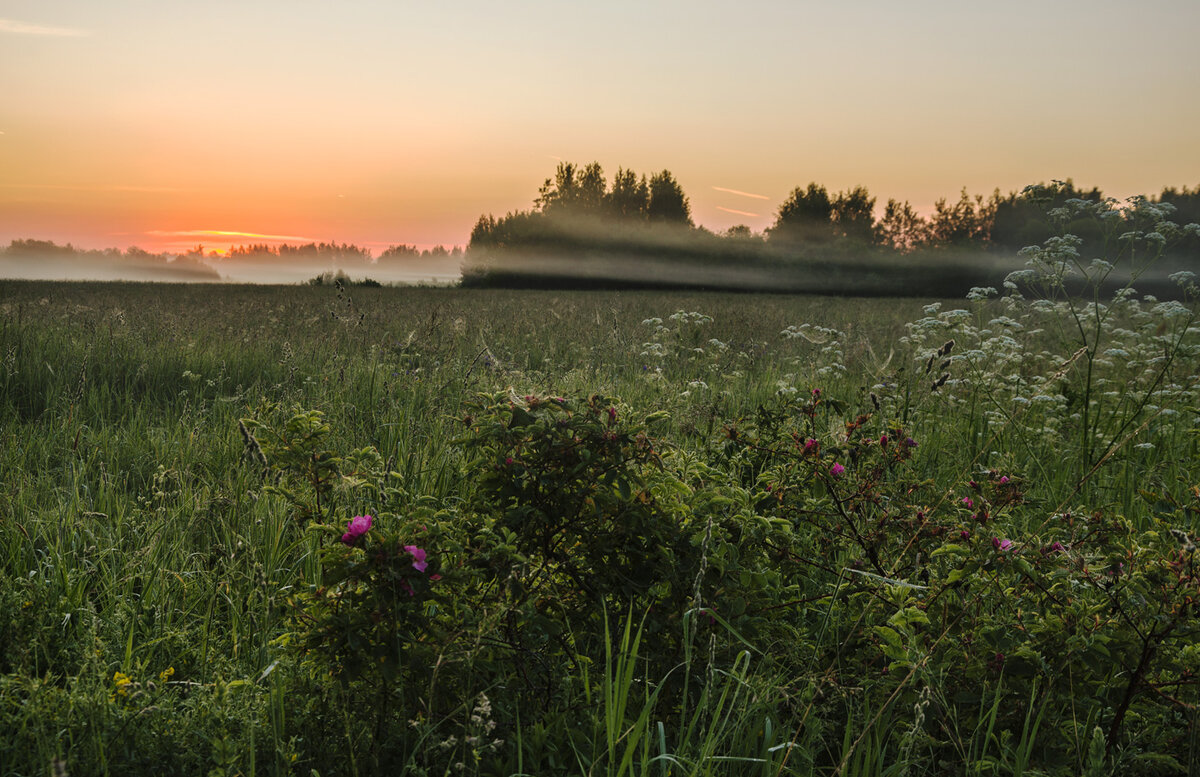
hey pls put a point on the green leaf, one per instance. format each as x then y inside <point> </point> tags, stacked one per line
<point>520,418</point>
<point>890,636</point>
<point>908,615</point>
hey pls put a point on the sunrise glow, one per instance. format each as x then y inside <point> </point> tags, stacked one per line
<point>125,126</point>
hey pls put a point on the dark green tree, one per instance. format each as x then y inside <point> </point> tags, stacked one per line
<point>668,204</point>
<point>966,223</point>
<point>629,198</point>
<point>901,229</point>
<point>573,191</point>
<point>854,214</point>
<point>1022,219</point>
<point>806,216</point>
<point>558,193</point>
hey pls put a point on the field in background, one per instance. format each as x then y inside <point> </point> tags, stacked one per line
<point>149,575</point>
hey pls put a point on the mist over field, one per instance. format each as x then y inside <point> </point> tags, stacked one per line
<point>585,231</point>
<point>44,260</point>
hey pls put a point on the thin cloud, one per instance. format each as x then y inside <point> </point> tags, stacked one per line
<point>748,214</point>
<point>106,188</point>
<point>23,28</point>
<point>741,193</point>
<point>223,233</point>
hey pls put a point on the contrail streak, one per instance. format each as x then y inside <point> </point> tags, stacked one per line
<point>740,212</point>
<point>223,233</point>
<point>741,193</point>
<point>21,28</point>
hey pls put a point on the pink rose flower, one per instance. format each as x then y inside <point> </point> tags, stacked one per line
<point>358,526</point>
<point>418,555</point>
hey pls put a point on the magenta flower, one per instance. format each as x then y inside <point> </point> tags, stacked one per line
<point>418,555</point>
<point>1056,547</point>
<point>810,446</point>
<point>1000,544</point>
<point>965,534</point>
<point>1004,478</point>
<point>837,470</point>
<point>968,501</point>
<point>883,440</point>
<point>358,526</point>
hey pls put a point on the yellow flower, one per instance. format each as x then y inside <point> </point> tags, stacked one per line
<point>166,674</point>
<point>121,682</point>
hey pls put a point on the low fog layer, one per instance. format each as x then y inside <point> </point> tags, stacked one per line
<point>437,271</point>
<point>102,266</point>
<point>44,260</point>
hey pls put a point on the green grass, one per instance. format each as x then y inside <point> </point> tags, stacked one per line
<point>136,537</point>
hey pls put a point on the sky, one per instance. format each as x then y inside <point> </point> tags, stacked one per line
<point>169,124</point>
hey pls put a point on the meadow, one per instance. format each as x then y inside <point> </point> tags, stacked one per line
<point>644,533</point>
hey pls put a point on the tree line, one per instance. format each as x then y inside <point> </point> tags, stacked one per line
<point>343,254</point>
<point>579,215</point>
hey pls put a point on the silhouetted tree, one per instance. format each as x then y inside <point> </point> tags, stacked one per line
<point>853,214</point>
<point>573,191</point>
<point>485,232</point>
<point>40,247</point>
<point>806,216</point>
<point>1187,211</point>
<point>967,222</point>
<point>901,229</point>
<point>399,253</point>
<point>1021,219</point>
<point>589,198</point>
<point>557,192</point>
<point>668,204</point>
<point>630,196</point>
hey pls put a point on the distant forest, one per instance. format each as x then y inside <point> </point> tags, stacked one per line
<point>583,232</point>
<point>46,259</point>
<point>638,232</point>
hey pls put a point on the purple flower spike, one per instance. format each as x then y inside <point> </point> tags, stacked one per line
<point>358,526</point>
<point>418,555</point>
<point>837,470</point>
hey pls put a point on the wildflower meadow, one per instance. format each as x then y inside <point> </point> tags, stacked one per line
<point>332,530</point>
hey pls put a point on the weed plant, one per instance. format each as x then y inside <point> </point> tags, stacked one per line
<point>620,533</point>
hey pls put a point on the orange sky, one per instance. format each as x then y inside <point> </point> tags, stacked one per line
<point>377,123</point>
